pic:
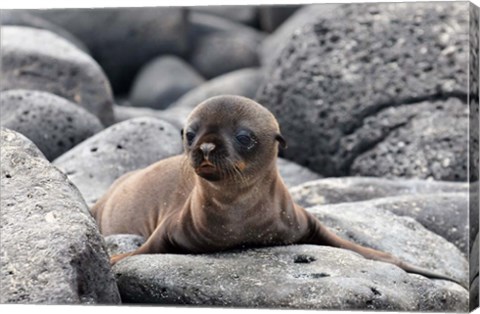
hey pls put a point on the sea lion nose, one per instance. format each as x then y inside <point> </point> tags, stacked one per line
<point>206,148</point>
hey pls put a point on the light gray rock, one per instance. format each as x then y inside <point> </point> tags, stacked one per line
<point>51,252</point>
<point>162,81</point>
<point>94,164</point>
<point>353,189</point>
<point>123,243</point>
<point>244,14</point>
<point>273,16</point>
<point>243,82</point>
<point>332,79</point>
<point>58,68</point>
<point>23,18</point>
<point>176,116</point>
<point>53,123</point>
<point>294,174</point>
<point>124,39</point>
<point>404,237</point>
<point>300,276</point>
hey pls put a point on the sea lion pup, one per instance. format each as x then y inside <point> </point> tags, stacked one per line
<point>224,192</point>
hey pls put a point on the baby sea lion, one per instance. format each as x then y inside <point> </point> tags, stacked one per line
<point>223,192</point>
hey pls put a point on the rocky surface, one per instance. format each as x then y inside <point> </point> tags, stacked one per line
<point>333,78</point>
<point>162,81</point>
<point>59,68</point>
<point>133,36</point>
<point>52,123</point>
<point>244,14</point>
<point>294,174</point>
<point>301,276</point>
<point>271,17</point>
<point>51,250</point>
<point>353,189</point>
<point>175,116</point>
<point>22,18</point>
<point>123,243</point>
<point>243,82</point>
<point>94,164</point>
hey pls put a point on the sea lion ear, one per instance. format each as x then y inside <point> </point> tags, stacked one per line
<point>281,141</point>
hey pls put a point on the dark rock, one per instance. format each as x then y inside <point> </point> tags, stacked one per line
<point>123,243</point>
<point>243,82</point>
<point>59,68</point>
<point>333,76</point>
<point>244,14</point>
<point>133,36</point>
<point>294,174</point>
<point>176,116</point>
<point>371,225</point>
<point>53,123</point>
<point>224,52</point>
<point>424,140</point>
<point>162,81</point>
<point>354,189</point>
<point>329,278</point>
<point>51,249</point>
<point>94,164</point>
<point>272,16</point>
<point>22,18</point>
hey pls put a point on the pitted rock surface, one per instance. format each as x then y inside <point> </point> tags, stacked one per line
<point>332,76</point>
<point>51,252</point>
<point>58,68</point>
<point>96,163</point>
<point>53,123</point>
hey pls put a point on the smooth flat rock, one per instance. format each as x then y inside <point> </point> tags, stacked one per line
<point>162,81</point>
<point>129,37</point>
<point>59,68</point>
<point>354,189</point>
<point>52,123</point>
<point>293,174</point>
<point>332,77</point>
<point>23,18</point>
<point>243,82</point>
<point>299,276</point>
<point>51,252</point>
<point>94,164</point>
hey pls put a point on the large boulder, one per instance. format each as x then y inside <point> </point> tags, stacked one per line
<point>354,189</point>
<point>298,276</point>
<point>272,16</point>
<point>244,14</point>
<point>293,174</point>
<point>332,78</point>
<point>123,39</point>
<point>22,18</point>
<point>51,249</point>
<point>52,123</point>
<point>59,68</point>
<point>96,163</point>
<point>243,82</point>
<point>176,116</point>
<point>162,81</point>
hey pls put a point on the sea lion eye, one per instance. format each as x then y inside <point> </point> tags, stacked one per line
<point>245,139</point>
<point>190,137</point>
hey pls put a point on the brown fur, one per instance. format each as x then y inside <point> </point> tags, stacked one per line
<point>238,200</point>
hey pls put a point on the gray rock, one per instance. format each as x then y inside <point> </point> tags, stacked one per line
<point>94,164</point>
<point>133,36</point>
<point>51,250</point>
<point>294,174</point>
<point>224,52</point>
<point>244,14</point>
<point>474,258</point>
<point>373,226</point>
<point>176,116</point>
<point>123,243</point>
<point>300,276</point>
<point>162,81</point>
<point>272,16</point>
<point>333,76</point>
<point>243,82</point>
<point>59,68</point>
<point>23,18</point>
<point>53,123</point>
<point>424,140</point>
<point>354,189</point>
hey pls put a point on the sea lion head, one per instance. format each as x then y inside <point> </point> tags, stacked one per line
<point>231,138</point>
